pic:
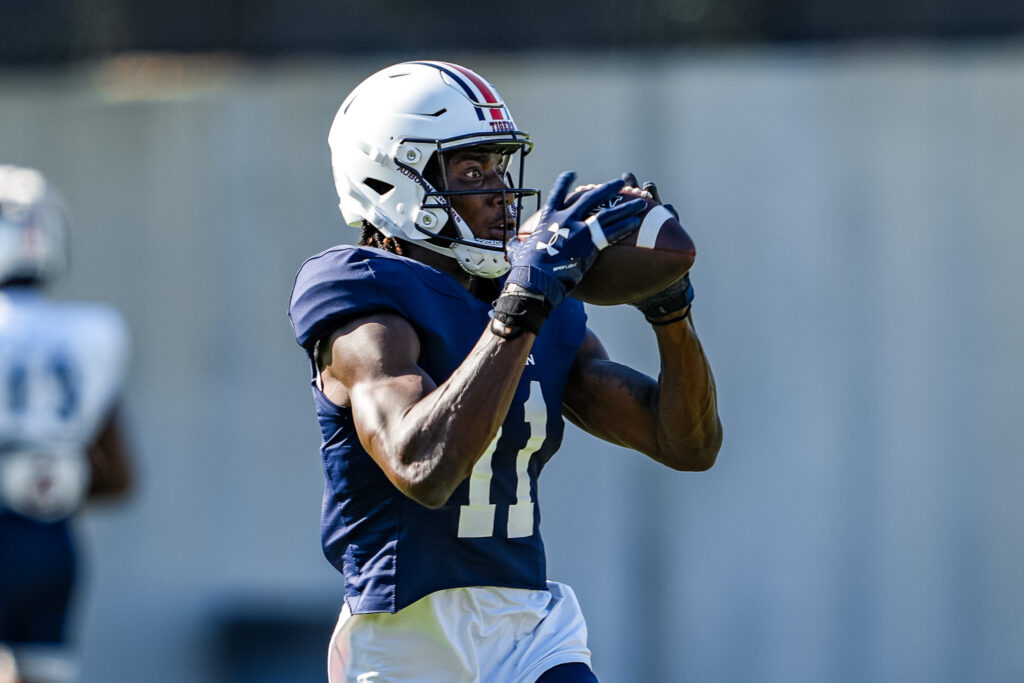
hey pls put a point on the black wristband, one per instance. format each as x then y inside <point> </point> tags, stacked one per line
<point>515,314</point>
<point>683,315</point>
<point>676,297</point>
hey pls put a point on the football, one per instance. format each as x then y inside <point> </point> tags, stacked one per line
<point>642,263</point>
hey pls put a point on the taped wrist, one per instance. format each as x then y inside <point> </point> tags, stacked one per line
<point>516,312</point>
<point>676,298</point>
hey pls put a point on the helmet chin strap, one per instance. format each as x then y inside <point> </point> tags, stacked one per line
<point>479,261</point>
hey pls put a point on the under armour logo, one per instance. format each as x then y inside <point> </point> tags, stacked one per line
<point>556,233</point>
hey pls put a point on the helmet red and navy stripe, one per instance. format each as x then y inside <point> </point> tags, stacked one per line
<point>489,106</point>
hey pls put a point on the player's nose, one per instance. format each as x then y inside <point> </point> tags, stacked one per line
<point>497,184</point>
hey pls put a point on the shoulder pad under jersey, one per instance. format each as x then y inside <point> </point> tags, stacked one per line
<point>342,283</point>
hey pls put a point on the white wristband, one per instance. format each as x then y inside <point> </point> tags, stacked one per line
<point>597,233</point>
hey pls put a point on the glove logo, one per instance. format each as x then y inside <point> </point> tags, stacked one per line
<point>556,233</point>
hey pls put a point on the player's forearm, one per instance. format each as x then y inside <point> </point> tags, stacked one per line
<point>447,431</point>
<point>689,432</point>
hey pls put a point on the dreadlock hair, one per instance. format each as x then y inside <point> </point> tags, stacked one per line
<point>372,237</point>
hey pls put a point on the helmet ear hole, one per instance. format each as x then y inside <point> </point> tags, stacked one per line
<point>378,186</point>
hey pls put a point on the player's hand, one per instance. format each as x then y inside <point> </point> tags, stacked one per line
<point>650,188</point>
<point>567,239</point>
<point>672,303</point>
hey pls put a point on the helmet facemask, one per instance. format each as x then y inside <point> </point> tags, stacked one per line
<point>479,256</point>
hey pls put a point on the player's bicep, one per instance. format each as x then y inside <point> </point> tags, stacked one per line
<point>371,366</point>
<point>609,400</point>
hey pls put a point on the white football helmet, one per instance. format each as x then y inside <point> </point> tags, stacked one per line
<point>390,127</point>
<point>33,227</point>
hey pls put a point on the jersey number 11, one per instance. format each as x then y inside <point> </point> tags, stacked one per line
<point>476,520</point>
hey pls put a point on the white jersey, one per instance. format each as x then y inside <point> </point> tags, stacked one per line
<point>62,366</point>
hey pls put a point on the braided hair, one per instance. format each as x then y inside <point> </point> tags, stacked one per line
<point>372,237</point>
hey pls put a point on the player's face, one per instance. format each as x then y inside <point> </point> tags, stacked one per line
<point>488,214</point>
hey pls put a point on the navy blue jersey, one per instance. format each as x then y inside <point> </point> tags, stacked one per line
<point>391,549</point>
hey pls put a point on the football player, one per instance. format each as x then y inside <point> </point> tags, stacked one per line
<point>444,356</point>
<point>61,371</point>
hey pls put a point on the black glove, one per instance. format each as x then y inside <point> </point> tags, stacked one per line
<point>552,260</point>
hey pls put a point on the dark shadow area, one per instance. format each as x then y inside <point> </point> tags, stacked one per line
<point>59,31</point>
<point>272,645</point>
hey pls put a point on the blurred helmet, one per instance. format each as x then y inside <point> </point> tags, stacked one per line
<point>392,125</point>
<point>32,227</point>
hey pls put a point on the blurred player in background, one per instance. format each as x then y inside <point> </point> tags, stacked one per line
<point>61,371</point>
<point>441,372</point>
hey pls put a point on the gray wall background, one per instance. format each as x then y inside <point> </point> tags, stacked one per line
<point>857,213</point>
